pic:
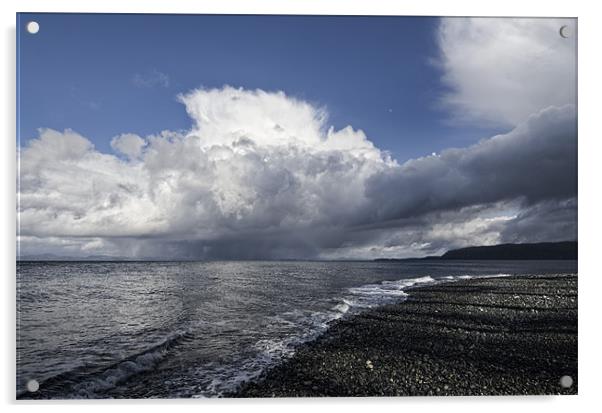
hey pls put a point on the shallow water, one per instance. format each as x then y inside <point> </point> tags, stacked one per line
<point>197,329</point>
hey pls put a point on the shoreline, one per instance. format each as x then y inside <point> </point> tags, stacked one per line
<point>512,335</point>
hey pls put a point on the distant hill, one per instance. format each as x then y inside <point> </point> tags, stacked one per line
<point>566,250</point>
<point>541,251</point>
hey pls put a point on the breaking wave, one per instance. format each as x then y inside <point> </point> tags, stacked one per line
<point>85,382</point>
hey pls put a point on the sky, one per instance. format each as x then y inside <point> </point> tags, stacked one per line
<point>307,137</point>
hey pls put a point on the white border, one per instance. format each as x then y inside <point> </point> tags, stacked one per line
<point>590,274</point>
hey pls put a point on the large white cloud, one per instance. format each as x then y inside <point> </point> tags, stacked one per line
<point>501,71</point>
<point>261,175</point>
<point>255,162</point>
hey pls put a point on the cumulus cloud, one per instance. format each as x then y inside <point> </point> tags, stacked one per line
<point>501,71</point>
<point>227,178</point>
<point>229,116</point>
<point>261,175</point>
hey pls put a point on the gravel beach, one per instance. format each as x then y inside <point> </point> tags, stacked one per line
<point>486,336</point>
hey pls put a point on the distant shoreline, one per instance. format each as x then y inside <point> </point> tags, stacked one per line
<point>566,250</point>
<point>490,336</point>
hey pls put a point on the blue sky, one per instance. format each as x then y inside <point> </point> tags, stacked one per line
<point>103,75</point>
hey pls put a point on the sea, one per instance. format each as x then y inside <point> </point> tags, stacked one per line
<point>198,329</point>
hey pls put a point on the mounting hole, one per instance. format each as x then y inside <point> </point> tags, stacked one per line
<point>32,386</point>
<point>32,27</point>
<point>566,381</point>
<point>565,32</point>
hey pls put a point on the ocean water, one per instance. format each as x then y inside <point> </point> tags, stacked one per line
<point>198,329</point>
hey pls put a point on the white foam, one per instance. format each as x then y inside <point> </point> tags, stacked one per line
<point>404,283</point>
<point>494,275</point>
<point>343,307</point>
<point>473,276</point>
<point>370,295</point>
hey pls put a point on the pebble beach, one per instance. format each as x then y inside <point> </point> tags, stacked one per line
<point>512,335</point>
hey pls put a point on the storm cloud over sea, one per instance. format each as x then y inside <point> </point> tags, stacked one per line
<point>263,175</point>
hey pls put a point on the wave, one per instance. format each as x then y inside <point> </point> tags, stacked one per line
<point>86,382</point>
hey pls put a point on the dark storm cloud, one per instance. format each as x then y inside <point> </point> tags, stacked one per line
<point>543,222</point>
<point>435,233</point>
<point>536,162</point>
